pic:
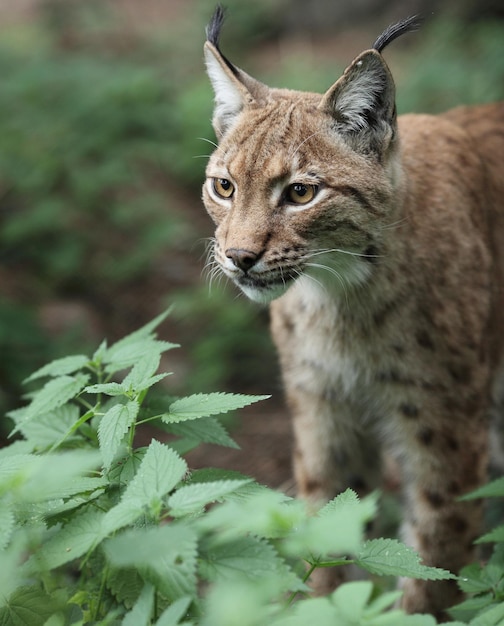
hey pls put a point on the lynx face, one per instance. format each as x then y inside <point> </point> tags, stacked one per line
<point>283,191</point>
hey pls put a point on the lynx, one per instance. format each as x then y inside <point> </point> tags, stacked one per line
<point>378,242</point>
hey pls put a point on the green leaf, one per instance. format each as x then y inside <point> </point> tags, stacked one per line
<point>209,430</point>
<point>51,427</point>
<point>389,557</point>
<point>140,614</point>
<point>175,612</point>
<point>191,498</point>
<point>112,428</point>
<point>493,616</point>
<point>141,375</point>
<point>27,606</point>
<point>351,599</point>
<point>73,540</point>
<point>494,489</point>
<point>166,555</point>
<point>47,477</point>
<point>141,333</point>
<point>248,558</point>
<point>316,538</point>
<point>125,585</point>
<point>60,367</point>
<point>121,357</point>
<point>160,470</point>
<point>204,405</point>
<point>264,513</point>
<point>124,469</point>
<point>109,389</point>
<point>495,535</point>
<point>472,579</point>
<point>470,607</point>
<point>341,502</point>
<point>55,393</point>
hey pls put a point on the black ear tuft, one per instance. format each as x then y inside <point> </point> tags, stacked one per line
<point>410,24</point>
<point>215,25</point>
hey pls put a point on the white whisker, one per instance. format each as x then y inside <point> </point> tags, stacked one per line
<point>394,224</point>
<point>215,145</point>
<point>334,273</point>
<point>304,141</point>
<point>349,252</point>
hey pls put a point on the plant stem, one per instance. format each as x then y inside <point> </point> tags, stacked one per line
<point>309,572</point>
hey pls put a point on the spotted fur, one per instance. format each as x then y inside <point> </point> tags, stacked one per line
<point>386,284</point>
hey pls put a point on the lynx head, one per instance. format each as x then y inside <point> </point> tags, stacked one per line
<point>301,185</point>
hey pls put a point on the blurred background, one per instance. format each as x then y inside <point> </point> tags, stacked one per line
<point>104,109</point>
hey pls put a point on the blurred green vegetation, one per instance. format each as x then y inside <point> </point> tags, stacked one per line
<point>102,158</point>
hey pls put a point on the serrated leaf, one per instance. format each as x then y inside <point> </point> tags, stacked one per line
<point>49,428</point>
<point>55,393</point>
<point>351,599</point>
<point>495,535</point>
<point>248,558</point>
<point>28,606</point>
<point>142,372</point>
<point>141,333</point>
<point>127,355</point>
<point>140,614</point>
<point>73,540</point>
<point>345,499</point>
<point>39,478</point>
<point>493,616</point>
<point>209,430</point>
<point>109,389</point>
<point>175,612</point>
<point>470,607</point>
<point>206,404</point>
<point>112,428</point>
<point>494,489</point>
<point>472,579</point>
<point>166,555</point>
<point>125,584</point>
<point>265,513</point>
<point>124,469</point>
<point>191,498</point>
<point>160,470</point>
<point>60,367</point>
<point>389,557</point>
<point>316,538</point>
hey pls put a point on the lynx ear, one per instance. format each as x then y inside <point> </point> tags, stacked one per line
<point>233,88</point>
<point>362,104</point>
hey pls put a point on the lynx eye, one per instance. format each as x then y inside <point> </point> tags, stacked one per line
<point>223,187</point>
<point>298,193</point>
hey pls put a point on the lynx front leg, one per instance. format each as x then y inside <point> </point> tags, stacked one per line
<point>443,464</point>
<point>333,450</point>
<point>331,454</point>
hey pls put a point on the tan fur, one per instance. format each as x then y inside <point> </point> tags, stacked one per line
<point>393,339</point>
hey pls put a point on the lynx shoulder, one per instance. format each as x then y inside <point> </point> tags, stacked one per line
<point>378,241</point>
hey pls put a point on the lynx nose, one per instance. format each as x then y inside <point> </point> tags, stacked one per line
<point>243,259</point>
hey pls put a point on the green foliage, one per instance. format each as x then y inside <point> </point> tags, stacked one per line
<point>94,529</point>
<point>484,583</point>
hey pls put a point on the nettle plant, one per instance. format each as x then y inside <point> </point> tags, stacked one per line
<point>96,530</point>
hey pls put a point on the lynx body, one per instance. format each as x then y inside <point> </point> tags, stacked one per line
<point>379,243</point>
